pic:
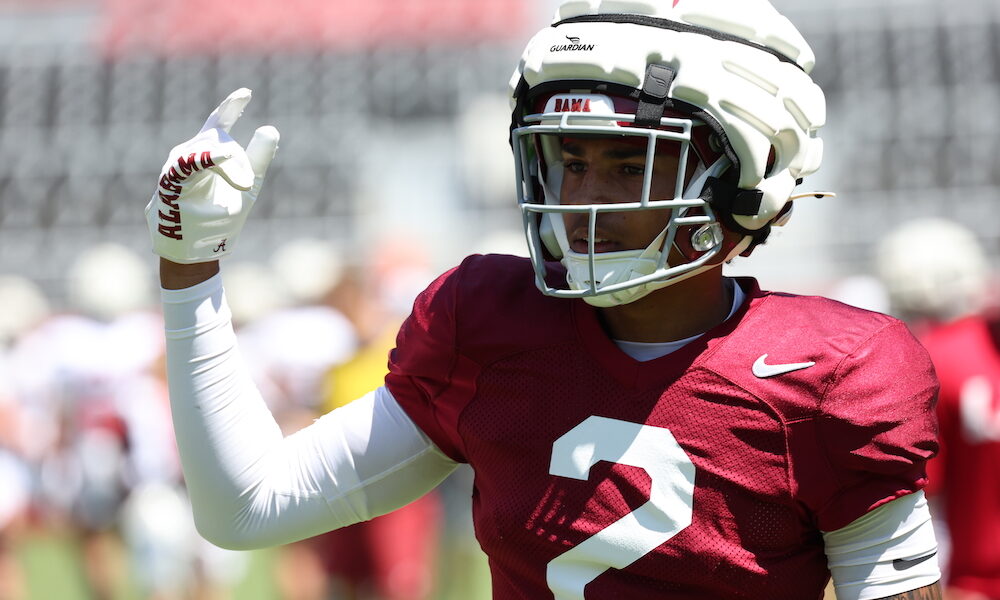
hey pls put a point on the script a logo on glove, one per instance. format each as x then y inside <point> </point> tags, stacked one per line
<point>170,190</point>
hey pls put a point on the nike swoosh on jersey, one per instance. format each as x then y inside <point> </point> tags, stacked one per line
<point>763,370</point>
<point>901,564</point>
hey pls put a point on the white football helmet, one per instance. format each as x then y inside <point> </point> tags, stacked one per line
<point>933,269</point>
<point>722,85</point>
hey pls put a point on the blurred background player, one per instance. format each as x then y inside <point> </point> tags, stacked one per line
<point>22,307</point>
<point>96,435</point>
<point>292,335</point>
<point>96,362</point>
<point>940,278</point>
<point>935,270</point>
<point>394,556</point>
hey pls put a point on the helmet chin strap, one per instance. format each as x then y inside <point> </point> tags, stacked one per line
<point>634,293</point>
<point>612,268</point>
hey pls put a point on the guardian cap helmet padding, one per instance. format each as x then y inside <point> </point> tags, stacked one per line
<point>724,83</point>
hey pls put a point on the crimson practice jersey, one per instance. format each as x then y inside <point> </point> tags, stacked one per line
<point>967,472</point>
<point>694,476</point>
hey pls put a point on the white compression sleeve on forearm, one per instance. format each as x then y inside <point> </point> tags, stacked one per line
<point>887,551</point>
<point>249,486</point>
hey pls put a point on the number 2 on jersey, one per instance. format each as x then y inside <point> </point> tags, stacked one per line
<point>668,511</point>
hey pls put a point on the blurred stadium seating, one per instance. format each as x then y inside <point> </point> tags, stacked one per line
<point>92,94</point>
<point>912,87</point>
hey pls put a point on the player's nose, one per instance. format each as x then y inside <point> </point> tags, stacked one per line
<point>592,187</point>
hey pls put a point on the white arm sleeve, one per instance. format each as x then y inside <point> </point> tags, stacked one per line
<point>249,486</point>
<point>888,551</point>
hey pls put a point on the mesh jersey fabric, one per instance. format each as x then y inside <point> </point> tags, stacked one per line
<point>965,474</point>
<point>495,373</point>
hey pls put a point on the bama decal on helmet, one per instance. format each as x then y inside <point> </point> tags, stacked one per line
<point>573,105</point>
<point>580,103</point>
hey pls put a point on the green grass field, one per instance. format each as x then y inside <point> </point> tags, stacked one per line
<point>53,570</point>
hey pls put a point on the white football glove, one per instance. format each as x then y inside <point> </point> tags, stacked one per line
<point>208,186</point>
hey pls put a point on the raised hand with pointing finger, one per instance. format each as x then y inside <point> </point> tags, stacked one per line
<point>208,186</point>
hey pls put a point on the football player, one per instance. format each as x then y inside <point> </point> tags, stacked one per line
<point>946,296</point>
<point>640,426</point>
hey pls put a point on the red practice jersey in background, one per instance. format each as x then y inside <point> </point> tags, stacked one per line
<point>966,475</point>
<point>686,477</point>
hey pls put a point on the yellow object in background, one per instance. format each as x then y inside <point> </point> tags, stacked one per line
<point>361,374</point>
